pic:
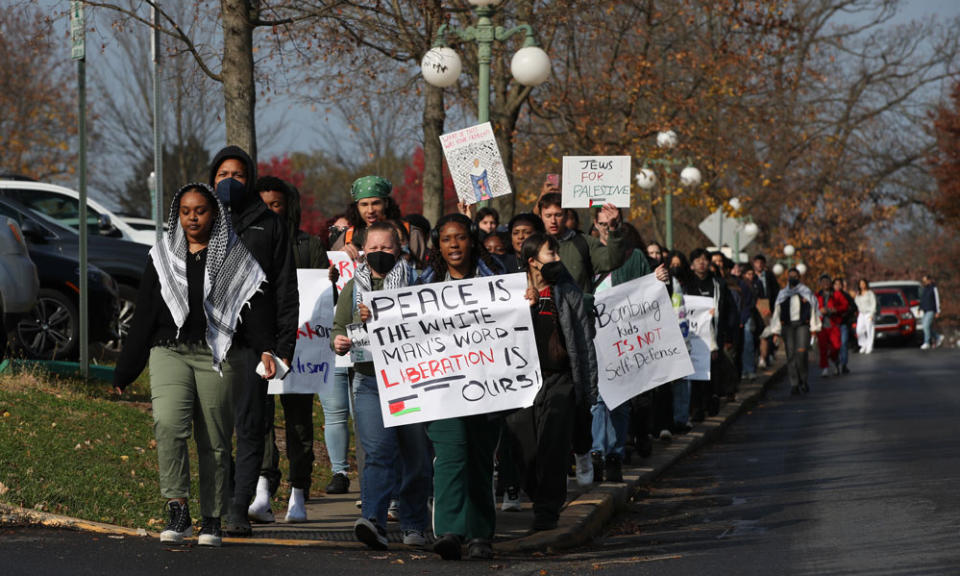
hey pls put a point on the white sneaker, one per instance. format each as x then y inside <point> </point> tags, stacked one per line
<point>666,435</point>
<point>511,500</point>
<point>414,538</point>
<point>584,469</point>
<point>925,346</point>
<point>939,341</point>
<point>296,509</point>
<point>259,510</point>
<point>825,373</point>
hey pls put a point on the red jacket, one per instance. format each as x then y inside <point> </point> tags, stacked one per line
<point>834,308</point>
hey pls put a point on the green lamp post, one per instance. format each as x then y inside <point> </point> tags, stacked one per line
<point>441,65</point>
<point>647,178</point>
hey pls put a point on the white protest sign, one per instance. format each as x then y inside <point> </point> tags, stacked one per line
<point>702,340</point>
<point>346,267</point>
<point>475,164</point>
<point>453,349</point>
<point>595,180</point>
<point>311,369</point>
<point>639,343</point>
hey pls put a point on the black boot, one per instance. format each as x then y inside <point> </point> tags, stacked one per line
<point>614,470</point>
<point>597,458</point>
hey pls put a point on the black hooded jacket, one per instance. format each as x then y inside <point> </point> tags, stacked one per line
<point>273,314</point>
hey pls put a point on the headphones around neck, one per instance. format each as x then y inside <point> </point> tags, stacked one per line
<point>469,224</point>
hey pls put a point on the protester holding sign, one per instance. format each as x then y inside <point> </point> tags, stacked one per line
<point>568,362</point>
<point>382,268</point>
<point>463,504</point>
<point>610,428</point>
<point>705,396</point>
<point>197,279</point>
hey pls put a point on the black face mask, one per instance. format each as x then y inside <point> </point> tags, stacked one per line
<point>230,192</point>
<point>675,271</point>
<point>552,272</point>
<point>793,282</point>
<point>381,262</point>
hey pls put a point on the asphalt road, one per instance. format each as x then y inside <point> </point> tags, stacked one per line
<point>859,477</point>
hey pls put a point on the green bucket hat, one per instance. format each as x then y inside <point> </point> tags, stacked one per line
<point>370,187</point>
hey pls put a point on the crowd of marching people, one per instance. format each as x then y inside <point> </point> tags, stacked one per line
<point>217,315</point>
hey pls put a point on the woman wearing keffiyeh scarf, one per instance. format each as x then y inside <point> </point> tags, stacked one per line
<point>193,290</point>
<point>382,269</point>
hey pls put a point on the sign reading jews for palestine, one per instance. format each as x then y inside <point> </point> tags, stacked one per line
<point>453,349</point>
<point>595,180</point>
<point>311,368</point>
<point>475,163</point>
<point>639,343</point>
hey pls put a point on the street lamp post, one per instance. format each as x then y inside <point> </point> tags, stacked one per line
<point>441,65</point>
<point>647,178</point>
<point>789,252</point>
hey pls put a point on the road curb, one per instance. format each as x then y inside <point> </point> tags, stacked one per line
<point>579,523</point>
<point>584,518</point>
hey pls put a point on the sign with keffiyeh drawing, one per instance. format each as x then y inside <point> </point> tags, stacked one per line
<point>639,343</point>
<point>475,163</point>
<point>453,349</point>
<point>311,368</point>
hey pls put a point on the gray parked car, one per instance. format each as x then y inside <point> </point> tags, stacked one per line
<point>18,276</point>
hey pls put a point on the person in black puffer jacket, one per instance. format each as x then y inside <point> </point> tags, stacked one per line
<point>274,313</point>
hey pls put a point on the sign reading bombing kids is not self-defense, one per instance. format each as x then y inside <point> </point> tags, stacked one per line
<point>453,349</point>
<point>639,343</point>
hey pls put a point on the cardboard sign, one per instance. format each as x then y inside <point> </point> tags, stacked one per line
<point>595,180</point>
<point>639,343</point>
<point>475,163</point>
<point>702,339</point>
<point>311,369</point>
<point>453,349</point>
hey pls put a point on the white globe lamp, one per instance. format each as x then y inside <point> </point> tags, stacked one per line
<point>646,178</point>
<point>802,268</point>
<point>440,67</point>
<point>734,203</point>
<point>530,66</point>
<point>789,250</point>
<point>778,269</point>
<point>690,177</point>
<point>667,139</point>
<point>751,229</point>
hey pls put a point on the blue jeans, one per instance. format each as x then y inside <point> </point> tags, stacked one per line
<point>681,401</point>
<point>336,429</point>
<point>929,336</point>
<point>383,446</point>
<point>610,428</point>
<point>749,349</point>
<point>844,338</point>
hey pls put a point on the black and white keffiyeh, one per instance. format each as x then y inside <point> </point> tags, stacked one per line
<point>232,276</point>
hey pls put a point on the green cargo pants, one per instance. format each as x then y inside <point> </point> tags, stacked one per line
<point>463,500</point>
<point>186,391</point>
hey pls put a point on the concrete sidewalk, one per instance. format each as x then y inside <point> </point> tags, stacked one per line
<point>584,516</point>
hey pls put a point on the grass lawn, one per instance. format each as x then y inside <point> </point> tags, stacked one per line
<point>72,448</point>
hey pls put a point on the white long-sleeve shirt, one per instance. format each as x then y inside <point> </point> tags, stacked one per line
<point>867,303</point>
